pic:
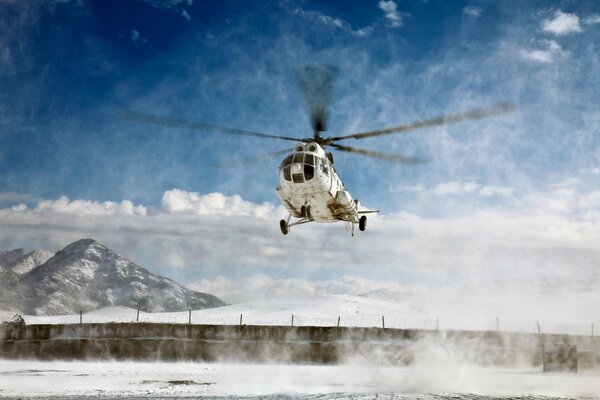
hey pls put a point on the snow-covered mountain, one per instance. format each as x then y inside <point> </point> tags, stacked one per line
<point>20,261</point>
<point>86,276</point>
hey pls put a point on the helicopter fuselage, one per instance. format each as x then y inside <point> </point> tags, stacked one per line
<point>310,188</point>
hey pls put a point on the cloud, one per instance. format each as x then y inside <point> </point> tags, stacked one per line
<point>87,207</point>
<point>181,202</point>
<point>548,237</point>
<point>562,24</point>
<point>471,11</point>
<point>551,53</point>
<point>185,15</point>
<point>333,22</point>
<point>592,19</point>
<point>460,188</point>
<point>390,8</point>
<point>168,4</point>
<point>455,188</point>
<point>136,37</point>
<point>14,197</point>
<point>262,287</point>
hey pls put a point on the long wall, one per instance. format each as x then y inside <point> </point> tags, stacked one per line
<point>303,344</point>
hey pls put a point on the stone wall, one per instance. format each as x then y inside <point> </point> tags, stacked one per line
<point>302,344</point>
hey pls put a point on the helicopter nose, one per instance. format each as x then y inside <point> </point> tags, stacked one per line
<point>296,168</point>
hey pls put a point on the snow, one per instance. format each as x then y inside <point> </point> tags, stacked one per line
<point>35,379</point>
<point>457,312</point>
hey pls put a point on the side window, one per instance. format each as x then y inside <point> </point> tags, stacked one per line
<point>287,161</point>
<point>298,158</point>
<point>325,168</point>
<point>309,159</point>
<point>286,173</point>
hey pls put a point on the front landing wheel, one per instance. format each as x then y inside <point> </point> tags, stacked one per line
<point>362,223</point>
<point>284,227</point>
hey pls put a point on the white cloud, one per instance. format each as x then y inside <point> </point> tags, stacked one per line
<point>168,4</point>
<point>185,15</point>
<point>136,37</point>
<point>390,8</point>
<point>455,188</point>
<point>459,188</point>
<point>592,171</point>
<point>19,207</point>
<point>263,287</point>
<point>13,197</point>
<point>333,22</point>
<point>181,202</point>
<point>592,19</point>
<point>549,54</point>
<point>473,11</point>
<point>551,236</point>
<point>89,208</point>
<point>562,24</point>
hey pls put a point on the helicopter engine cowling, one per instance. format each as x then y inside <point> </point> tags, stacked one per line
<point>344,201</point>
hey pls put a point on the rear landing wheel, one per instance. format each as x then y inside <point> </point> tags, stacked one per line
<point>284,227</point>
<point>362,223</point>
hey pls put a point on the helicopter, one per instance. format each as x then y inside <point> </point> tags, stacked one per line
<point>309,186</point>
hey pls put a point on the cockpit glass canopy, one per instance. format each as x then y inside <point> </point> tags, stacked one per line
<point>308,163</point>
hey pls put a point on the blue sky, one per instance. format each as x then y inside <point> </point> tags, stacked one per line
<point>68,69</point>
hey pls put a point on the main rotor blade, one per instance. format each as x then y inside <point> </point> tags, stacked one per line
<point>197,126</point>
<point>382,156</point>
<point>477,113</point>
<point>316,84</point>
<point>236,162</point>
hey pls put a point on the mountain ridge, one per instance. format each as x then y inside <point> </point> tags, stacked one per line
<point>86,275</point>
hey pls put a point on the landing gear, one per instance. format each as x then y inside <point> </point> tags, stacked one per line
<point>284,226</point>
<point>362,223</point>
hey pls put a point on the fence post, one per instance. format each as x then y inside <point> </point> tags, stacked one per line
<point>538,326</point>
<point>190,317</point>
<point>497,324</point>
<point>292,319</point>
<point>137,318</point>
<point>81,316</point>
<point>241,319</point>
<point>437,324</point>
<point>338,324</point>
<point>383,321</point>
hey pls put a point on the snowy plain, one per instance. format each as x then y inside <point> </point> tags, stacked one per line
<point>35,379</point>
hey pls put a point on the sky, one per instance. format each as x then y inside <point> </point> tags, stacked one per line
<point>512,198</point>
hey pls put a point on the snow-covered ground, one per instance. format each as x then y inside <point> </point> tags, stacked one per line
<point>117,379</point>
<point>571,313</point>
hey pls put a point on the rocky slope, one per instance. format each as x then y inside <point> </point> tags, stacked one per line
<point>86,275</point>
<point>20,261</point>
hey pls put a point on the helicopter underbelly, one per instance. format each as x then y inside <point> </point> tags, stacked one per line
<point>321,194</point>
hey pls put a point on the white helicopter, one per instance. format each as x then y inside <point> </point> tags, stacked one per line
<point>309,186</point>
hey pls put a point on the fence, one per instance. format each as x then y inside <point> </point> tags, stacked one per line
<point>212,317</point>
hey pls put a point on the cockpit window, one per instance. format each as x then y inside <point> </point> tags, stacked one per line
<point>309,172</point>
<point>286,173</point>
<point>298,157</point>
<point>287,161</point>
<point>298,178</point>
<point>309,159</point>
